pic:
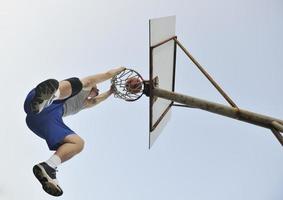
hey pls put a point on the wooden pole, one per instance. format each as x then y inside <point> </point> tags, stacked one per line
<point>275,125</point>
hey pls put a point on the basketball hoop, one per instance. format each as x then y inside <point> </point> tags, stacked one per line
<point>120,85</point>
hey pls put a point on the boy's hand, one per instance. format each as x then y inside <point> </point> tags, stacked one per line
<point>120,69</point>
<point>112,89</point>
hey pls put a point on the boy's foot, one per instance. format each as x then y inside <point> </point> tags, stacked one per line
<point>47,177</point>
<point>44,95</point>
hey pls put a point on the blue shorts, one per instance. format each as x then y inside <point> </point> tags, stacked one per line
<point>48,124</point>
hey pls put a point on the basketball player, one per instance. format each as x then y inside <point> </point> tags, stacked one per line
<point>46,105</point>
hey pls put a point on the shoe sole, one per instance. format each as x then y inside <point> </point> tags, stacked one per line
<point>43,93</point>
<point>48,184</point>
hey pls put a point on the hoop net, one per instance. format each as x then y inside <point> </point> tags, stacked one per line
<point>119,85</point>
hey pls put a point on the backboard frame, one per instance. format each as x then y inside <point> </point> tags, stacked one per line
<point>153,81</point>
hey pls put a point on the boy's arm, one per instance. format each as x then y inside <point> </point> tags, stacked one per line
<point>96,100</point>
<point>91,81</point>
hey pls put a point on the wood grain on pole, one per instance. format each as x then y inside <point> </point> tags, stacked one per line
<point>239,114</point>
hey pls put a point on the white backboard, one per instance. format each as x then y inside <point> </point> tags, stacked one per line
<point>162,65</point>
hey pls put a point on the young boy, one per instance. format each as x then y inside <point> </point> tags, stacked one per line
<point>45,106</point>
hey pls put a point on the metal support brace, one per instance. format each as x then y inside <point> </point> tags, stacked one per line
<point>220,90</point>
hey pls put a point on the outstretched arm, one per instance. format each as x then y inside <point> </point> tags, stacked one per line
<point>96,100</point>
<point>91,81</point>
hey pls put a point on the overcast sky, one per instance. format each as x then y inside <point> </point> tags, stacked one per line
<point>199,155</point>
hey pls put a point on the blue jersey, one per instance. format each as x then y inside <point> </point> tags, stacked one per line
<point>48,124</point>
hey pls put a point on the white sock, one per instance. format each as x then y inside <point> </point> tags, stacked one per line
<point>54,161</point>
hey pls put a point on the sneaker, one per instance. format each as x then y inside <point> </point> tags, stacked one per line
<point>46,175</point>
<point>44,95</point>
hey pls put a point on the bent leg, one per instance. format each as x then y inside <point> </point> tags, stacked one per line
<point>72,145</point>
<point>49,90</point>
<point>65,89</point>
<point>69,87</point>
<point>44,93</point>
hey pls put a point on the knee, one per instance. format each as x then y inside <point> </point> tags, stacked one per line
<point>76,85</point>
<point>76,141</point>
<point>65,89</point>
<point>80,144</point>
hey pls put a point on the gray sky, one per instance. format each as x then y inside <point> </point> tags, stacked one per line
<point>199,155</point>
